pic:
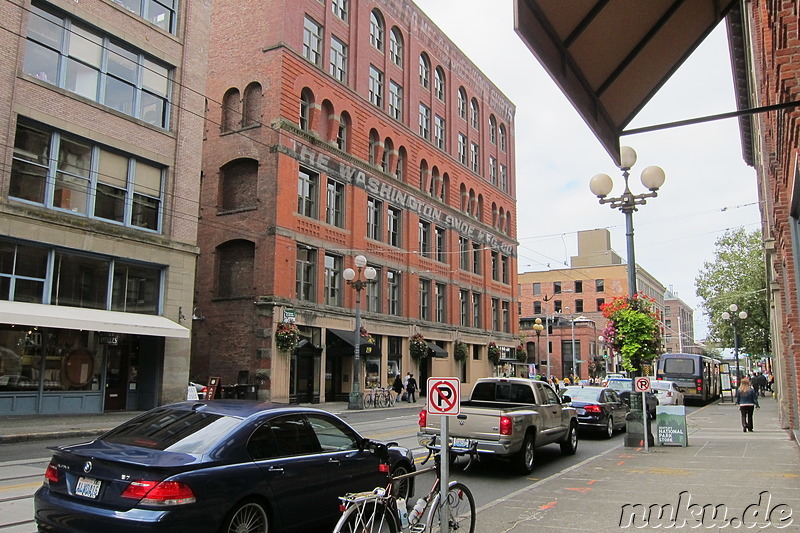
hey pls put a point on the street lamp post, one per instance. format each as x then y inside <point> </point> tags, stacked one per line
<point>538,327</point>
<point>732,317</point>
<point>574,365</point>
<point>354,279</point>
<point>601,185</point>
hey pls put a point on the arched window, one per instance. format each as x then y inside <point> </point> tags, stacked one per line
<point>376,29</point>
<point>434,183</point>
<point>402,157</point>
<point>472,209</point>
<point>444,194</point>
<point>479,213</point>
<point>306,103</point>
<point>462,103</point>
<point>343,137</point>
<point>235,261</point>
<point>231,110</point>
<point>492,129</point>
<point>464,198</point>
<point>396,47</point>
<point>438,84</point>
<point>374,143</point>
<point>252,105</point>
<point>424,71</point>
<point>473,113</point>
<point>238,184</point>
<point>502,137</point>
<point>494,215</point>
<point>388,148</point>
<point>423,175</point>
<point>326,120</point>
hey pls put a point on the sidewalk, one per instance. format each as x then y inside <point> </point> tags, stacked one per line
<point>721,467</point>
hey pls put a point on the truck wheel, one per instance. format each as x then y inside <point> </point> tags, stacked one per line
<point>570,444</point>
<point>523,460</point>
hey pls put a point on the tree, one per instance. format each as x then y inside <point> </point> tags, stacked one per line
<point>738,276</point>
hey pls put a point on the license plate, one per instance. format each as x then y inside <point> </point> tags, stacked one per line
<point>460,443</point>
<point>580,411</point>
<point>88,487</point>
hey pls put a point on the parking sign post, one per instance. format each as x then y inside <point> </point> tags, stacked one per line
<point>642,384</point>
<point>443,399</point>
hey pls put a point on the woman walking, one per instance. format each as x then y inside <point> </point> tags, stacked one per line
<point>747,398</point>
<point>397,387</point>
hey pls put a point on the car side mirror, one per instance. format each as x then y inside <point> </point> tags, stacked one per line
<point>566,399</point>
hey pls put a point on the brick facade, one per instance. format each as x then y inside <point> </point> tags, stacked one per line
<point>284,235</point>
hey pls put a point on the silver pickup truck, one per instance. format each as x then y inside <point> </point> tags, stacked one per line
<point>510,418</point>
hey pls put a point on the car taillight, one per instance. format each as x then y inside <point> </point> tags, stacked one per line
<point>159,493</point>
<point>699,384</point>
<point>204,390</point>
<point>506,426</point>
<point>383,468</point>
<point>51,474</point>
<point>593,409</point>
<point>423,418</point>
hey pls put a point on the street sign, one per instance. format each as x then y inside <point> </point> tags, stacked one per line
<point>642,384</point>
<point>443,396</point>
<point>289,315</point>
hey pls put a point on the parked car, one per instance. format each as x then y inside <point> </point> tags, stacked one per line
<point>222,466</point>
<point>667,392</point>
<point>598,408</point>
<point>613,375</point>
<point>201,389</point>
<point>624,387</point>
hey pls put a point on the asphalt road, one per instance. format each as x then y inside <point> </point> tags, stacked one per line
<point>23,464</point>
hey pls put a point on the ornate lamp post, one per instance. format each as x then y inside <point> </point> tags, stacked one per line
<point>353,278</point>
<point>732,317</point>
<point>601,185</point>
<point>538,327</point>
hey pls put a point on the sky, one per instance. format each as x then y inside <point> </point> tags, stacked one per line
<point>708,186</point>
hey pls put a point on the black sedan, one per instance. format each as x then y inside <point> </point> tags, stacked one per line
<point>214,466</point>
<point>598,408</point>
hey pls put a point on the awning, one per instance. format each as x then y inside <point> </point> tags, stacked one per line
<point>437,350</point>
<point>59,316</point>
<point>610,57</point>
<point>364,348</point>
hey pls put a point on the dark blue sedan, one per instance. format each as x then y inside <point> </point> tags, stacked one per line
<point>216,466</point>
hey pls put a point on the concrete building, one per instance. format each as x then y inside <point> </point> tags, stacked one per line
<point>101,123</point>
<point>344,128</point>
<point>595,277</point>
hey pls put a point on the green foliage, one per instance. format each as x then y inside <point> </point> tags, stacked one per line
<point>418,346</point>
<point>494,353</point>
<point>737,276</point>
<point>460,352</point>
<point>633,330</point>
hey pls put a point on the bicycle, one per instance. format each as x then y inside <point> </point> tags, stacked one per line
<point>381,511</point>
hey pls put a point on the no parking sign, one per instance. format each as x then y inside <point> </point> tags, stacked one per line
<point>443,396</point>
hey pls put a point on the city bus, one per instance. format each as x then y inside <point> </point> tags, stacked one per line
<point>698,376</point>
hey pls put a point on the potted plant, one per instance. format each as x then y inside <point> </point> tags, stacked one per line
<point>460,352</point>
<point>418,346</point>
<point>494,353</point>
<point>286,336</point>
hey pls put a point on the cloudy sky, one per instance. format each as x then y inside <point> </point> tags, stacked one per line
<point>708,188</point>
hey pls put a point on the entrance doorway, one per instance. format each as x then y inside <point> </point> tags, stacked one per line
<point>117,359</point>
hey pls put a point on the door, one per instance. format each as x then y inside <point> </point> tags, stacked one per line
<point>550,411</point>
<point>116,357</point>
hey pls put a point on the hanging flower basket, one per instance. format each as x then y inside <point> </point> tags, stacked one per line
<point>460,352</point>
<point>522,354</point>
<point>366,336</point>
<point>418,346</point>
<point>633,330</point>
<point>286,336</point>
<point>494,353</point>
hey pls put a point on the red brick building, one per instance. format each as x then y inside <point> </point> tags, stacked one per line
<point>344,128</point>
<point>101,125</point>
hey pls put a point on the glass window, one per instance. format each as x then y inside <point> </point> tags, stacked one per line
<point>333,277</point>
<point>393,227</point>
<point>393,293</point>
<point>376,29</point>
<point>23,272</point>
<point>395,101</point>
<point>307,183</point>
<point>492,129</point>
<point>557,287</point>
<point>159,12</point>
<point>473,113</point>
<point>305,273</point>
<point>80,281</point>
<point>338,66</point>
<point>476,257</point>
<point>537,288</point>
<point>334,211</point>
<point>373,292</point>
<point>477,314</point>
<point>503,178</point>
<point>462,148</point>
<point>463,300</point>
<point>333,436</point>
<point>493,170</point>
<point>374,218</point>
<point>396,47</point>
<point>375,86</point>
<point>579,306</point>
<point>441,244</point>
<point>438,84</point>
<point>578,286</point>
<point>425,299</point>
<point>424,121</point>
<point>136,289</point>
<point>293,436</point>
<point>463,249</point>
<point>425,238</point>
<point>340,8</point>
<point>312,41</point>
<point>441,302</point>
<point>502,136</point>
<point>462,103</point>
<point>439,133</point>
<point>424,71</point>
<point>600,285</point>
<point>475,158</point>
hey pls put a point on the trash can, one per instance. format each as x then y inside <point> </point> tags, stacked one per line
<point>246,392</point>
<point>227,392</point>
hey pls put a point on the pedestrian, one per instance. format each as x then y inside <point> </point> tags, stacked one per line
<point>747,399</point>
<point>762,383</point>
<point>397,387</point>
<point>755,382</point>
<point>411,388</point>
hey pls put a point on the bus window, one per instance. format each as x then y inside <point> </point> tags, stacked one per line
<point>679,366</point>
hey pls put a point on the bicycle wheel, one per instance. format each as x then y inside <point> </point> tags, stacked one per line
<point>368,401</point>
<point>462,511</point>
<point>367,517</point>
<point>391,396</point>
<point>381,400</point>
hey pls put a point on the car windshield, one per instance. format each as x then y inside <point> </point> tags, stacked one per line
<point>582,394</point>
<point>173,430</point>
<point>661,385</point>
<point>620,384</point>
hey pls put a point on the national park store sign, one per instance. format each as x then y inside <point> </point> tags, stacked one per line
<point>397,196</point>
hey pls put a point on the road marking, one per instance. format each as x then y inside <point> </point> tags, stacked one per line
<point>20,486</point>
